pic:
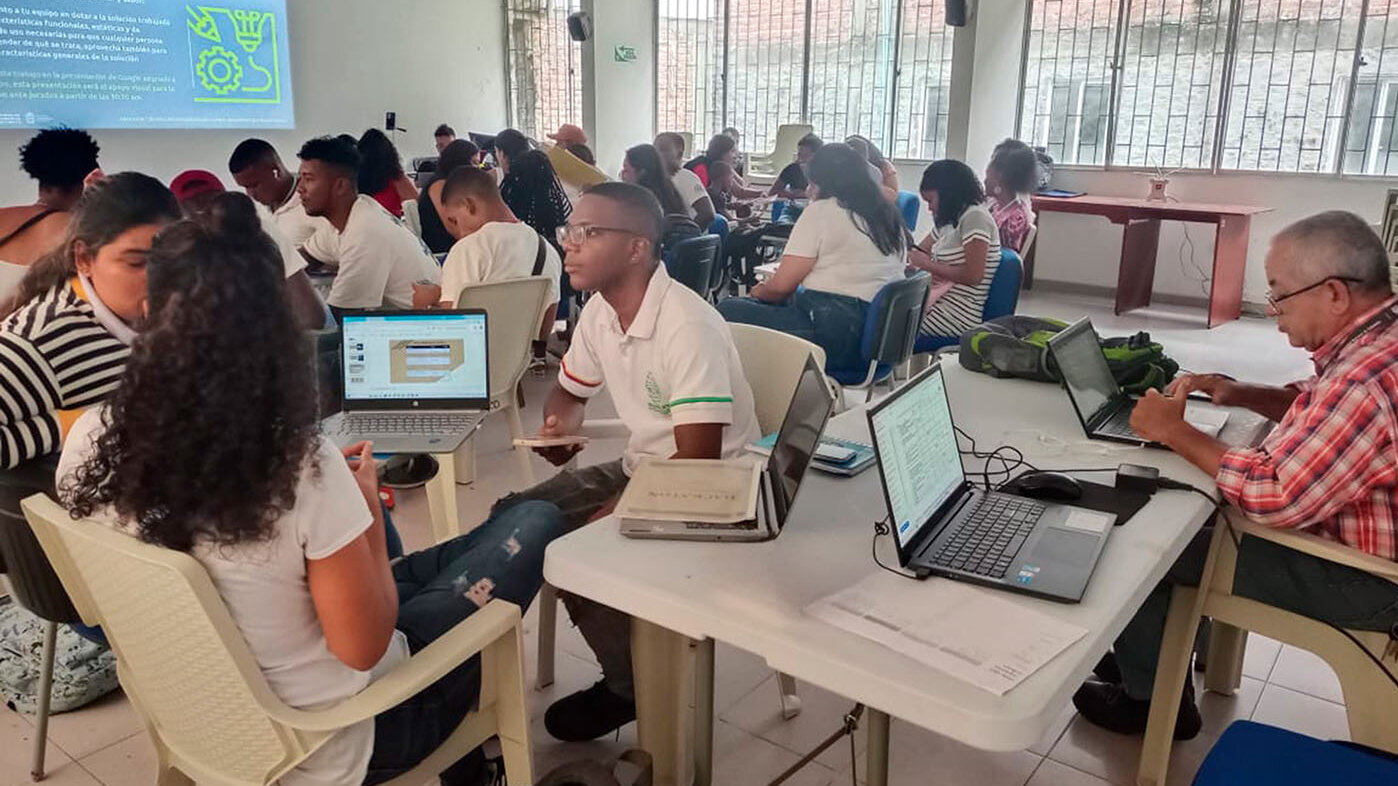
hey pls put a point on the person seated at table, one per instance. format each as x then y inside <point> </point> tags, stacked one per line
<point>695,196</point>
<point>437,237</point>
<point>65,336</point>
<point>378,259</point>
<point>677,384</point>
<point>530,186</point>
<point>289,528</point>
<point>492,245</point>
<point>642,166</point>
<point>381,174</point>
<point>1326,468</point>
<point>792,181</point>
<point>1010,177</point>
<point>259,171</point>
<point>721,148</point>
<point>443,136</point>
<point>846,245</point>
<point>60,159</point>
<point>880,168</point>
<point>962,250</point>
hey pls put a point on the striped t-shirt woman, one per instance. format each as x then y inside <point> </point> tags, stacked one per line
<point>960,308</point>
<point>56,357</point>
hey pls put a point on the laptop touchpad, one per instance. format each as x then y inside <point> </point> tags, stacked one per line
<point>1065,548</point>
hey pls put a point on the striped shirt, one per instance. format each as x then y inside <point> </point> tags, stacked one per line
<point>54,355</point>
<point>1332,462</point>
<point>961,308</point>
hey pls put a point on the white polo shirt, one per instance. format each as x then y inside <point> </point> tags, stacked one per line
<point>378,258</point>
<point>691,189</point>
<point>499,251</point>
<point>292,220</point>
<point>674,366</point>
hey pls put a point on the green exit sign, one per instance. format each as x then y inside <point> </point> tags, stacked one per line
<point>624,54</point>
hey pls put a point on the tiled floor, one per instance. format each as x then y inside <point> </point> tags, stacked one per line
<point>105,744</point>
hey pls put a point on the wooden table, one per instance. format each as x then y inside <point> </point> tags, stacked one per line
<point>1140,240</point>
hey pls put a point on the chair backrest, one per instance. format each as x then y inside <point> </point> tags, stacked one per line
<point>890,329</point>
<point>1003,298</point>
<point>10,275</point>
<point>784,147</point>
<point>181,657</point>
<point>1029,241</point>
<point>513,309</point>
<point>772,362</point>
<point>691,262</point>
<point>411,218</point>
<point>907,205</point>
<point>688,152</point>
<point>718,276</point>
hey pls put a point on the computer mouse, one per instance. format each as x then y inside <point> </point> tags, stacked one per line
<point>1053,486</point>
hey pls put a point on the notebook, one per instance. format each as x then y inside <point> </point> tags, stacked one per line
<point>862,459</point>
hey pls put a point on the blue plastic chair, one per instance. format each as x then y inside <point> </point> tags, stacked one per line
<point>1002,300</point>
<point>907,205</point>
<point>890,330</point>
<point>719,227</point>
<point>1249,752</point>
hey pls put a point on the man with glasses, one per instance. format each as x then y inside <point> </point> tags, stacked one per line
<point>1327,467</point>
<point>668,361</point>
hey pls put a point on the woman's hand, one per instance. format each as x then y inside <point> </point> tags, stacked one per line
<point>360,457</point>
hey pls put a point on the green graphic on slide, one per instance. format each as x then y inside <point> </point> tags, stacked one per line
<point>223,75</point>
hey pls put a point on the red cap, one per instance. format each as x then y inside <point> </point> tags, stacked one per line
<point>195,182</point>
<point>569,134</point>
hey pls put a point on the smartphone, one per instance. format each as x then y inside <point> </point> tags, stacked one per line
<point>550,442</point>
<point>835,454</point>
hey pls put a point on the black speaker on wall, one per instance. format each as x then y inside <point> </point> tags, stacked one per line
<point>579,26</point>
<point>956,13</point>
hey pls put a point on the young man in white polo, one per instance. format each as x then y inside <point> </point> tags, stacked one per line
<point>668,360</point>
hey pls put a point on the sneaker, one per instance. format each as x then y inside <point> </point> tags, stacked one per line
<point>1107,669</point>
<point>1109,707</point>
<point>588,714</point>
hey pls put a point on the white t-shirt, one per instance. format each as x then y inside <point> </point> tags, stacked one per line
<point>291,218</point>
<point>292,260</point>
<point>676,364</point>
<point>264,586</point>
<point>378,258</point>
<point>847,261</point>
<point>498,251</point>
<point>691,189</point>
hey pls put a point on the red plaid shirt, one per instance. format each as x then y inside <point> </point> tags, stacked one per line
<point>1332,462</point>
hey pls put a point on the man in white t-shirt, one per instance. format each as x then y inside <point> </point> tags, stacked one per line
<point>492,245</point>
<point>259,171</point>
<point>669,363</point>
<point>670,145</point>
<point>378,258</point>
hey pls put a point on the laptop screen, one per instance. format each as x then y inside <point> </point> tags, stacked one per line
<point>1083,367</point>
<point>799,436</point>
<point>918,457</point>
<point>436,358</point>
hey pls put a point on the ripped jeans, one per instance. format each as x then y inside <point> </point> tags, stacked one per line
<point>438,588</point>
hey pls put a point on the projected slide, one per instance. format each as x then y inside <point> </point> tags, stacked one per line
<point>144,64</point>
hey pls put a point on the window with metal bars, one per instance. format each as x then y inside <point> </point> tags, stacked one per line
<point>543,65</point>
<point>1270,85</point>
<point>878,68</point>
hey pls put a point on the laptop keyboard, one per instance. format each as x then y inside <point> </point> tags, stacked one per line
<point>1119,424</point>
<point>989,539</point>
<point>410,423</point>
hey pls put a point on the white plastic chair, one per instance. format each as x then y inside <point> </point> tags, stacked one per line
<point>208,709</point>
<point>10,276</point>
<point>765,167</point>
<point>1370,697</point>
<point>514,310</point>
<point>411,218</point>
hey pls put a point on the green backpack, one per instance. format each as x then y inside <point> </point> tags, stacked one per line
<point>1017,346</point>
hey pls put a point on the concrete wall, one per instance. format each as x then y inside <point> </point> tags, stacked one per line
<point>619,97</point>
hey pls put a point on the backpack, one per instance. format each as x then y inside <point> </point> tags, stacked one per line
<point>587,772</point>
<point>1017,346</point>
<point>83,670</point>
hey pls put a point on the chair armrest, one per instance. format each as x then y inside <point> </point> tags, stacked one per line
<point>468,637</point>
<point>1318,547</point>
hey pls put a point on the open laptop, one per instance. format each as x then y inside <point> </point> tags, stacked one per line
<point>1103,408</point>
<point>797,441</point>
<point>413,381</point>
<point>943,525</point>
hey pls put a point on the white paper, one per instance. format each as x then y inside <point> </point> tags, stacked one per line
<point>972,634</point>
<point>1087,521</point>
<point>1209,421</point>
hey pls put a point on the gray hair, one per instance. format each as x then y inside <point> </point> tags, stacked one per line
<point>1338,243</point>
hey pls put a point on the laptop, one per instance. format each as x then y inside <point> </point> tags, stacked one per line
<point>413,381</point>
<point>944,526</point>
<point>797,440</point>
<point>1103,408</point>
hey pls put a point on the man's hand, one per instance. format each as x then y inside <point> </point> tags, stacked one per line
<point>559,454</point>
<point>426,295</point>
<point>360,457</point>
<point>1156,417</point>
<point>1221,390</point>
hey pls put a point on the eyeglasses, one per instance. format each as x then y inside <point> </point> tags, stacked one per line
<point>575,234</point>
<point>1275,301</point>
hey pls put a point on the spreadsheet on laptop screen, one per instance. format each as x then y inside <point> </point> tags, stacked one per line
<point>917,454</point>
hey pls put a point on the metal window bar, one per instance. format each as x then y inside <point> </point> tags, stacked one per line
<point>923,84</point>
<point>689,67</point>
<point>1371,139</point>
<point>851,71</point>
<point>765,50</point>
<point>544,65</point>
<point>1067,91</point>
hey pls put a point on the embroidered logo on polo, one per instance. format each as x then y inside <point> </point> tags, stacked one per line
<point>655,397</point>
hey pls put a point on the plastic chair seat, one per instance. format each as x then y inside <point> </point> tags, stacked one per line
<point>1249,752</point>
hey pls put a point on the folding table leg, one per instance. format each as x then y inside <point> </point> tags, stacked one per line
<point>876,757</point>
<point>704,712</point>
<point>664,685</point>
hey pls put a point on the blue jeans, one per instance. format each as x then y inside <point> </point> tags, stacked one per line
<point>438,588</point>
<point>833,322</point>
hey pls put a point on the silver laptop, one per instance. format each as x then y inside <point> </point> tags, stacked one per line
<point>1103,408</point>
<point>945,526</point>
<point>413,381</point>
<point>791,456</point>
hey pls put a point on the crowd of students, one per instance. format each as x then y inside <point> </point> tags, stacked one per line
<point>152,340</point>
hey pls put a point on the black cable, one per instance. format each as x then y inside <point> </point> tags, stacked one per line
<point>881,528</point>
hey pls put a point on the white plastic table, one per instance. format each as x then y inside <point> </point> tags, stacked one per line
<point>752,596</point>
